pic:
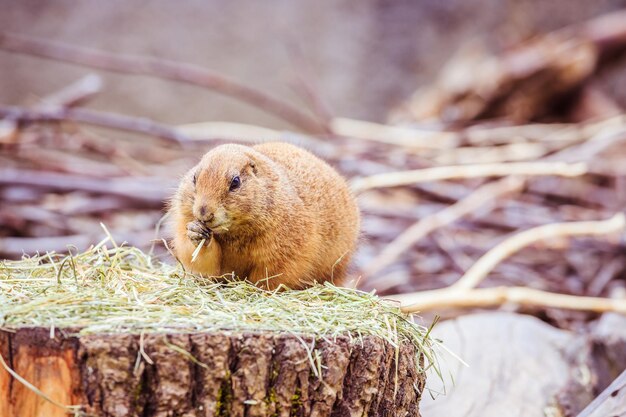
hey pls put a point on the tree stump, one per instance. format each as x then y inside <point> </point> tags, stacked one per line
<point>206,374</point>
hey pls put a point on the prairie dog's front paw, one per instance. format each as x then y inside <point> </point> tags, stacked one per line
<point>196,231</point>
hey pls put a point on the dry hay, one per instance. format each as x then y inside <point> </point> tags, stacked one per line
<point>118,288</point>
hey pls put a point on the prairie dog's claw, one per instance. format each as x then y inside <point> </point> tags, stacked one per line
<point>196,231</point>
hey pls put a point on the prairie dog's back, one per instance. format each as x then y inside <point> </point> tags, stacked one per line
<point>316,182</point>
<point>323,191</point>
<point>305,170</point>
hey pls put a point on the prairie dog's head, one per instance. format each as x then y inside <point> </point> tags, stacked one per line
<point>226,188</point>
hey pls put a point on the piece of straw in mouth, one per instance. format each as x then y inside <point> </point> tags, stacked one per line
<point>196,252</point>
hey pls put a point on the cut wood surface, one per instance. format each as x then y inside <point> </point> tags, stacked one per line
<point>205,374</point>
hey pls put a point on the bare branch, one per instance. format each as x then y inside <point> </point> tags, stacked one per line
<point>160,68</point>
<point>150,191</point>
<point>238,132</point>
<point>479,271</point>
<point>394,135</point>
<point>95,118</point>
<point>485,195</point>
<point>608,403</point>
<point>607,31</point>
<point>463,293</point>
<point>394,179</point>
<point>510,152</point>
<point>196,132</point>
<point>494,297</point>
<point>303,85</point>
<point>14,247</point>
<point>74,94</point>
<point>478,135</point>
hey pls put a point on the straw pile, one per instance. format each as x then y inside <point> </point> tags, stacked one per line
<point>121,289</point>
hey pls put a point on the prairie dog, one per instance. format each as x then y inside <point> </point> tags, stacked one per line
<point>271,213</point>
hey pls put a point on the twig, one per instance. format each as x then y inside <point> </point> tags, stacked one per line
<point>607,272</point>
<point>607,31</point>
<point>304,87</point>
<point>463,293</point>
<point>511,152</point>
<point>394,179</point>
<point>394,135</point>
<point>93,205</point>
<point>190,133</point>
<point>610,401</point>
<point>149,191</point>
<point>160,68</point>
<point>230,131</point>
<point>592,147</point>
<point>479,271</point>
<point>14,247</point>
<point>485,195</point>
<point>74,94</point>
<point>252,134</point>
<point>478,135</point>
<point>497,296</point>
<point>95,118</point>
<point>69,162</point>
<point>481,135</point>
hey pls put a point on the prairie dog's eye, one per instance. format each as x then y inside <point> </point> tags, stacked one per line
<point>235,183</point>
<point>195,178</point>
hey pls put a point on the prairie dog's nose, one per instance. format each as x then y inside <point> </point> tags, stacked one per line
<point>204,214</point>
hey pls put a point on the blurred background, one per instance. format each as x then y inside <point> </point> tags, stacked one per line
<point>103,105</point>
<point>363,57</point>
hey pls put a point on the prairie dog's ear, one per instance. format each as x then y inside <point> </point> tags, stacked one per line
<point>252,165</point>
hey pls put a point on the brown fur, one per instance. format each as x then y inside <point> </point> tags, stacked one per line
<point>293,219</point>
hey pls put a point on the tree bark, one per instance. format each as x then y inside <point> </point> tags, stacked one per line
<point>207,374</point>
